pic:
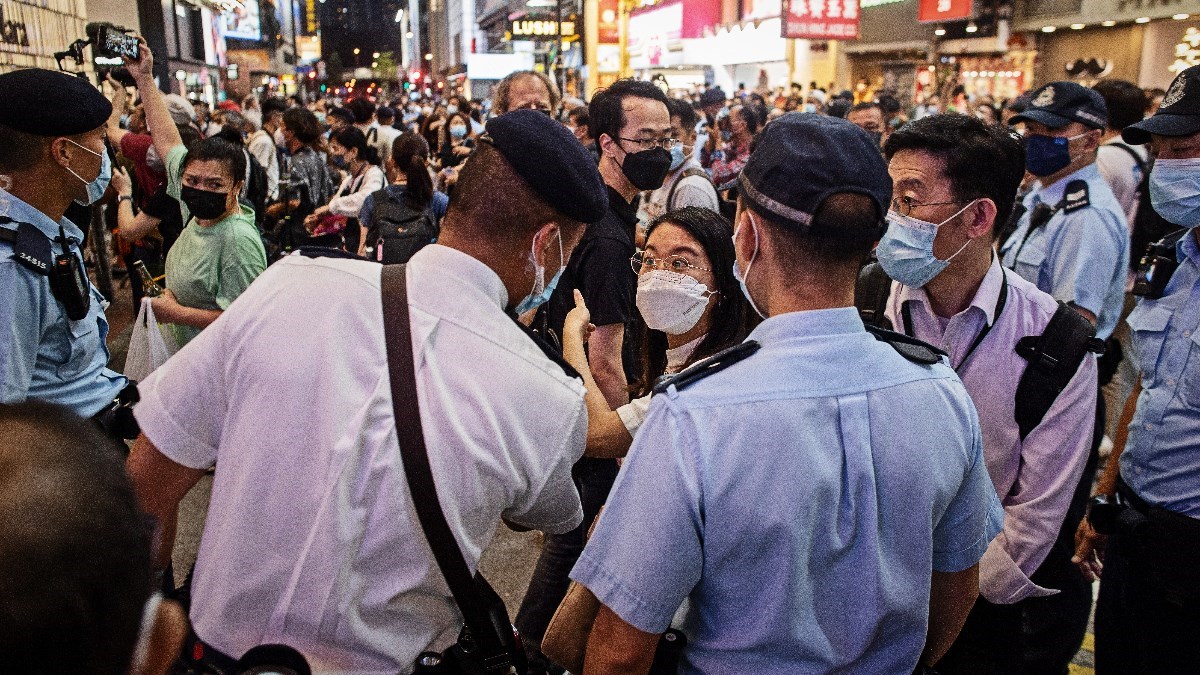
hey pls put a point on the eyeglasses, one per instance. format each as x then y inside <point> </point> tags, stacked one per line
<point>641,263</point>
<point>905,205</point>
<point>650,143</point>
<point>534,106</point>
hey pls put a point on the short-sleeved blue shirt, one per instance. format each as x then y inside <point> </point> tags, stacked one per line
<point>800,501</point>
<point>1161,461</point>
<point>44,355</point>
<point>1081,257</point>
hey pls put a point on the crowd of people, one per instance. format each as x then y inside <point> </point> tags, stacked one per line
<point>792,383</point>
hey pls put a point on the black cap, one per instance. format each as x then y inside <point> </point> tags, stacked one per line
<point>1059,103</point>
<point>50,103</point>
<point>549,158</point>
<point>1178,114</point>
<point>802,158</point>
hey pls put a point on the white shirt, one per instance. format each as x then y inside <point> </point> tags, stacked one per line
<point>311,538</point>
<point>353,191</point>
<point>1122,173</point>
<point>633,414</point>
<point>262,146</point>
<point>691,191</point>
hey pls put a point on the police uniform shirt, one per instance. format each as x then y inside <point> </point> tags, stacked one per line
<point>1161,462</point>
<point>43,354</point>
<point>1080,255</point>
<point>311,538</point>
<point>799,500</point>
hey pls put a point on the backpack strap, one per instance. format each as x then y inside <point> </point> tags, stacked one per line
<point>1054,358</point>
<point>1141,163</point>
<point>687,173</point>
<point>871,292</point>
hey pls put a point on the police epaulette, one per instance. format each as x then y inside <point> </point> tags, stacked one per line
<point>713,364</point>
<point>549,350</point>
<point>910,348</point>
<point>1076,196</point>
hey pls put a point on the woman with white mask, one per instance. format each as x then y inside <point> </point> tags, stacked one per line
<point>692,307</point>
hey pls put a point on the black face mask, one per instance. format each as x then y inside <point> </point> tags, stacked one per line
<point>647,169</point>
<point>203,204</point>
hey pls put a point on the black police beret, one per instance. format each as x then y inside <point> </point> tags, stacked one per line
<point>802,158</point>
<point>49,103</point>
<point>1178,114</point>
<point>1059,103</point>
<point>549,158</point>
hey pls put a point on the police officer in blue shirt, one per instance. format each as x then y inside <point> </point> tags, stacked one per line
<point>1072,242</point>
<point>53,153</point>
<point>1148,501</point>
<point>818,494</point>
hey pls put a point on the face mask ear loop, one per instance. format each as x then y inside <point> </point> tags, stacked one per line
<point>968,241</point>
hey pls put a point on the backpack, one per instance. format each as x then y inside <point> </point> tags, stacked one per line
<point>256,188</point>
<point>1054,356</point>
<point>1147,226</point>
<point>398,230</point>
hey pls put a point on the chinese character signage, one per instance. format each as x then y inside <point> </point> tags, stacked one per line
<point>820,19</point>
<point>943,10</point>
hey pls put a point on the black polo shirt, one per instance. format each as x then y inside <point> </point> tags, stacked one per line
<point>600,268</point>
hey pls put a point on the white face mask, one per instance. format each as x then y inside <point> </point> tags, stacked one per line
<point>671,302</point>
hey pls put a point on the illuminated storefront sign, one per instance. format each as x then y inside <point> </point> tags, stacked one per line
<point>943,10</point>
<point>524,29</point>
<point>820,19</point>
<point>31,31</point>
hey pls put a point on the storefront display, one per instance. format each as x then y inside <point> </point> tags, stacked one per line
<point>31,31</point>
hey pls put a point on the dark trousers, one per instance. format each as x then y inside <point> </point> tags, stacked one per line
<point>1138,630</point>
<point>1036,636</point>
<point>593,478</point>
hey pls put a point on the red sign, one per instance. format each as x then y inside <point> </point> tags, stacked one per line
<point>820,19</point>
<point>610,22</point>
<point>943,10</point>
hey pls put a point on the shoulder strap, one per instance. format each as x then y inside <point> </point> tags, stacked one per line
<point>1054,357</point>
<point>1141,163</point>
<point>406,408</point>
<point>917,351</point>
<point>687,173</point>
<point>709,366</point>
<point>871,294</point>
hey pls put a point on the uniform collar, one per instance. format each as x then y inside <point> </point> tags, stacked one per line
<point>1187,248</point>
<point>467,269</point>
<point>986,296</point>
<point>1053,194</point>
<point>20,211</point>
<point>813,323</point>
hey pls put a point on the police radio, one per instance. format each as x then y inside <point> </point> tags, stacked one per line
<point>69,282</point>
<point>1157,267</point>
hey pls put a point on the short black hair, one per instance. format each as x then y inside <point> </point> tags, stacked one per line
<point>1126,102</point>
<point>684,111</point>
<point>342,114</point>
<point>981,160</point>
<point>19,150</point>
<point>607,110</point>
<point>352,138</point>
<point>837,107</point>
<point>273,105</point>
<point>362,109</point>
<point>303,124</point>
<point>221,150</point>
<point>579,115</point>
<point>889,104</point>
<point>75,559</point>
<point>865,105</point>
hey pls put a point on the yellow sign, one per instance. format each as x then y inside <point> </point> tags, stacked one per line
<point>526,28</point>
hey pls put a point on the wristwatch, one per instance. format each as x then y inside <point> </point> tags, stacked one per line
<point>124,198</point>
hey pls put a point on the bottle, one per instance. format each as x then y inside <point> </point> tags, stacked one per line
<point>149,286</point>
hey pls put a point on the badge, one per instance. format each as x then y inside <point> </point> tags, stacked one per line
<point>1045,98</point>
<point>1175,93</point>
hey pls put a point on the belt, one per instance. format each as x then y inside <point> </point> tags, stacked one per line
<point>1135,502</point>
<point>116,419</point>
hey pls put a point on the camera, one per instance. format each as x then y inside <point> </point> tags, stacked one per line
<point>111,41</point>
<point>1155,270</point>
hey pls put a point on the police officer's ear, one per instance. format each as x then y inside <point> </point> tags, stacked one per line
<point>1091,142</point>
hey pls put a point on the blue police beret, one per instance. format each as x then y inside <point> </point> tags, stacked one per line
<point>1059,103</point>
<point>1177,115</point>
<point>802,158</point>
<point>550,159</point>
<point>51,103</point>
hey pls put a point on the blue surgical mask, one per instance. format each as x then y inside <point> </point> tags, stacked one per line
<point>677,156</point>
<point>810,107</point>
<point>95,188</point>
<point>458,131</point>
<point>1175,190</point>
<point>451,109</point>
<point>1047,155</point>
<point>541,289</point>
<point>339,161</point>
<point>906,250</point>
<point>741,278</point>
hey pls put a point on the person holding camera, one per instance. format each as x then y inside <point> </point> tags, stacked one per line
<point>51,316</point>
<point>1142,530</point>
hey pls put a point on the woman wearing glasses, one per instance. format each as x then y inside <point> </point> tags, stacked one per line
<point>691,304</point>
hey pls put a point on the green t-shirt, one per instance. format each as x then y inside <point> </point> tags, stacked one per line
<point>208,267</point>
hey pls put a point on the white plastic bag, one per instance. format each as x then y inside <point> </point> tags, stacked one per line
<point>149,347</point>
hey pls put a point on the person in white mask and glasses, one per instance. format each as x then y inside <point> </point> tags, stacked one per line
<point>691,305</point>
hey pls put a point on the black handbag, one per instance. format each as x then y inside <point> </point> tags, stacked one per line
<point>488,643</point>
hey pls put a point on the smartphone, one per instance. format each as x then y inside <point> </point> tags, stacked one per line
<point>113,42</point>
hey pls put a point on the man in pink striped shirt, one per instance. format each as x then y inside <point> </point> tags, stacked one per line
<point>954,180</point>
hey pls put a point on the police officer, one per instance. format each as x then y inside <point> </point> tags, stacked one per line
<point>53,153</point>
<point>954,178</point>
<point>1072,242</point>
<point>775,487</point>
<point>1148,610</point>
<point>311,538</point>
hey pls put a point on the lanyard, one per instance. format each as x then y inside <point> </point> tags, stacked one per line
<point>1000,302</point>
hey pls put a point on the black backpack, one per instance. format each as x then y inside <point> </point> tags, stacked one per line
<point>1147,226</point>
<point>1054,356</point>
<point>398,230</point>
<point>256,188</point>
